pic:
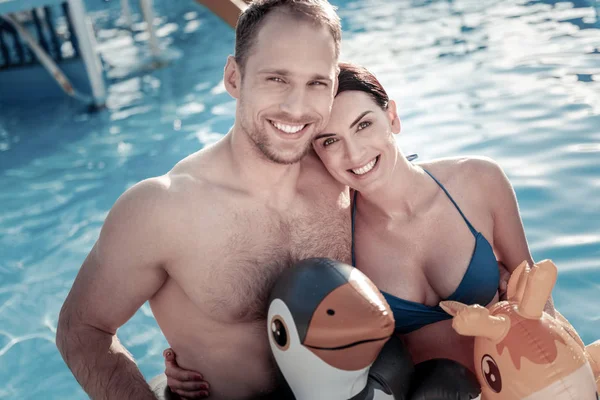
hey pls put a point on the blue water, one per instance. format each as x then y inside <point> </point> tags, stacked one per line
<point>514,80</point>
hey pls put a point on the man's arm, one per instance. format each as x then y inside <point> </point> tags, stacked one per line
<point>510,242</point>
<point>123,270</point>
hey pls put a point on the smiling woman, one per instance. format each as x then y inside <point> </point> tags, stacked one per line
<point>422,232</point>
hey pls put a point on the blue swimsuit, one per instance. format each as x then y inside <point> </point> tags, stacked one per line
<point>478,286</point>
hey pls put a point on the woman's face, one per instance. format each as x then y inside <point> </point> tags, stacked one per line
<point>357,146</point>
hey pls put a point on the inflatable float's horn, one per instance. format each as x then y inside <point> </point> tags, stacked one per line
<point>475,320</point>
<point>517,281</point>
<point>538,288</point>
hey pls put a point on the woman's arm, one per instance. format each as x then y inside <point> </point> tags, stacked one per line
<point>187,384</point>
<point>509,240</point>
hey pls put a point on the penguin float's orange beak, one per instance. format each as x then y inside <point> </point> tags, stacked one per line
<point>350,326</point>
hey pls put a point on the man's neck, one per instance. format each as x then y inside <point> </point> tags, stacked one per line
<point>257,174</point>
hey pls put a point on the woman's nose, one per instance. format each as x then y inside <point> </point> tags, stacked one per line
<point>354,152</point>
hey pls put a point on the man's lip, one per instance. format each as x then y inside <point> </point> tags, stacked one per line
<point>299,133</point>
<point>287,122</point>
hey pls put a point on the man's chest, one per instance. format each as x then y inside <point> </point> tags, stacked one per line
<point>232,279</point>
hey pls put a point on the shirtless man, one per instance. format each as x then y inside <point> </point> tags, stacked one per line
<point>204,243</point>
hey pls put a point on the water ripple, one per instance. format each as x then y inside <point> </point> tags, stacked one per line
<point>518,81</point>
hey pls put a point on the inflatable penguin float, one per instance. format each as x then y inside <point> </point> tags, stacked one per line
<point>331,334</point>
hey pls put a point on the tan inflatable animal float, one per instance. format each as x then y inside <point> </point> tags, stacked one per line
<point>523,353</point>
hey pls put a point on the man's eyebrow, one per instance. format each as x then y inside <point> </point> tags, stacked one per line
<point>281,72</point>
<point>285,72</point>
<point>359,118</point>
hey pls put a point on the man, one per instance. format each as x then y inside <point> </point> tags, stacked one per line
<point>205,242</point>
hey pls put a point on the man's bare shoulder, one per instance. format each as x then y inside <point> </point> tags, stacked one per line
<point>164,202</point>
<point>314,171</point>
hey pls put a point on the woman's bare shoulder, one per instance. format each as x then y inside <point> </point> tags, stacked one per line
<point>464,170</point>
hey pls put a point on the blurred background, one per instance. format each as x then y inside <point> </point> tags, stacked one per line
<point>515,80</point>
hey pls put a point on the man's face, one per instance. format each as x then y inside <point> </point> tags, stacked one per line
<point>288,86</point>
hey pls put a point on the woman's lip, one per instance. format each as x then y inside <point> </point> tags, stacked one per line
<point>377,159</point>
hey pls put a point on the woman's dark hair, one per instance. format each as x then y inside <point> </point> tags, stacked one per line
<point>356,77</point>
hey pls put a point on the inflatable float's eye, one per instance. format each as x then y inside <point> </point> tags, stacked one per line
<point>491,373</point>
<point>330,312</point>
<point>280,333</point>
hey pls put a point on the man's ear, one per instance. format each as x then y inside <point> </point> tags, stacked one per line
<point>392,112</point>
<point>232,77</point>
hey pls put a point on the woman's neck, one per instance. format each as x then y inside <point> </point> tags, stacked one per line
<point>401,198</point>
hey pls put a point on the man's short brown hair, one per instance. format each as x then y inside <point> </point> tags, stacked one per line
<point>320,12</point>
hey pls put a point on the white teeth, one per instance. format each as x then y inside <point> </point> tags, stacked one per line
<point>288,128</point>
<point>366,168</point>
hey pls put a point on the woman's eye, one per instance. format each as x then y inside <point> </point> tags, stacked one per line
<point>364,125</point>
<point>275,79</point>
<point>317,83</point>
<point>328,141</point>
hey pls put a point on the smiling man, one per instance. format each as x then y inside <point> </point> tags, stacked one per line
<point>205,242</point>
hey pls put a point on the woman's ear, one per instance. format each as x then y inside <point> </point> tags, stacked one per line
<point>393,116</point>
<point>232,77</point>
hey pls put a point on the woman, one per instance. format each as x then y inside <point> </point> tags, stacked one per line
<point>421,232</point>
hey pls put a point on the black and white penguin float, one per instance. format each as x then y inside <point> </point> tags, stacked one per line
<point>331,334</point>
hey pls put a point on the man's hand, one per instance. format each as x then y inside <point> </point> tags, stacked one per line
<point>504,277</point>
<point>187,384</point>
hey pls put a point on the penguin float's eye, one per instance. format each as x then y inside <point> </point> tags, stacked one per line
<point>491,373</point>
<point>279,332</point>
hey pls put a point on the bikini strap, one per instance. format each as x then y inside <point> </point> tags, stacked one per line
<point>353,219</point>
<point>473,231</point>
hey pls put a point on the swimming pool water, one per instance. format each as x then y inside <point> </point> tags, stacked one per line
<point>518,81</point>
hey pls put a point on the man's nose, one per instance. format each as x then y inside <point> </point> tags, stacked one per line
<point>294,103</point>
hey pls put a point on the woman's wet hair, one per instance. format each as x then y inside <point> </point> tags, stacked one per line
<point>356,77</point>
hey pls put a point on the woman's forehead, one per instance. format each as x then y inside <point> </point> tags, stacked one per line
<point>348,105</point>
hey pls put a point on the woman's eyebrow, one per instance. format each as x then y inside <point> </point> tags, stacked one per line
<point>323,135</point>
<point>359,118</point>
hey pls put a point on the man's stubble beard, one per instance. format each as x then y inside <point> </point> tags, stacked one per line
<point>261,140</point>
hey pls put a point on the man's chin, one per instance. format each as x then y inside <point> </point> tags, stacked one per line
<point>286,158</point>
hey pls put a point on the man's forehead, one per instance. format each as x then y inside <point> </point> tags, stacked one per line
<point>282,18</point>
<point>326,71</point>
<point>271,61</point>
<point>295,44</point>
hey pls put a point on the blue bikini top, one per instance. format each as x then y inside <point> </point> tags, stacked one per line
<point>478,286</point>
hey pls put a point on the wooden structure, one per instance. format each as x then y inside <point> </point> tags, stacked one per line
<point>227,10</point>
